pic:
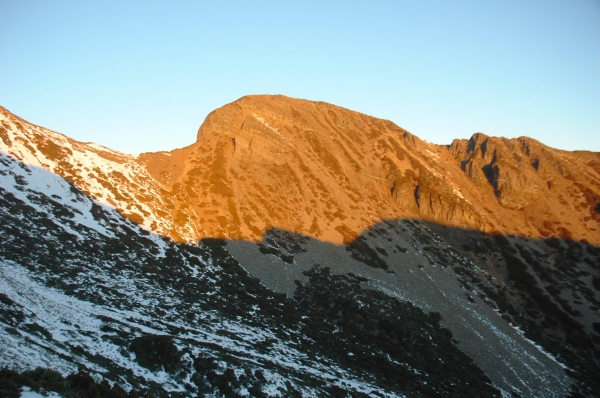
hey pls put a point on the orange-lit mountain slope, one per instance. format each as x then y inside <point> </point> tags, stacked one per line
<point>324,171</point>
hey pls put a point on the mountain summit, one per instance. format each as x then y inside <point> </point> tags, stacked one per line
<point>301,249</point>
<point>330,173</point>
<point>326,172</point>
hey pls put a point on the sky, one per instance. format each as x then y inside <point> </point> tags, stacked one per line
<point>141,76</point>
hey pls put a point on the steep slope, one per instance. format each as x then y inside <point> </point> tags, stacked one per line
<point>110,177</point>
<point>497,237</point>
<point>82,286</point>
<point>547,192</point>
<point>319,170</point>
<point>330,173</point>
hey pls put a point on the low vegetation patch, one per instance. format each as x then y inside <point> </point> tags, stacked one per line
<point>156,352</point>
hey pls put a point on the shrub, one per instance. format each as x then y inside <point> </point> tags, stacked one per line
<point>155,352</point>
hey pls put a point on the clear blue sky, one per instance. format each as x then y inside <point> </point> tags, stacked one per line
<point>142,75</point>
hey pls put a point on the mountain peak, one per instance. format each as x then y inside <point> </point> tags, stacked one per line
<point>342,212</point>
<point>271,161</point>
<point>314,168</point>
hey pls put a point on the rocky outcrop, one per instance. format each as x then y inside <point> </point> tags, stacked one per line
<point>552,191</point>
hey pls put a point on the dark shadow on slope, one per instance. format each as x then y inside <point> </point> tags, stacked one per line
<point>385,341</point>
<point>333,322</point>
<point>75,385</point>
<point>545,287</point>
<point>549,293</point>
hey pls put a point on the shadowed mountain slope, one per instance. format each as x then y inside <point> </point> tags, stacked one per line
<point>82,286</point>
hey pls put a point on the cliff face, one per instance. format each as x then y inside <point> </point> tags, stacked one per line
<point>330,173</point>
<point>538,190</point>
<point>306,167</point>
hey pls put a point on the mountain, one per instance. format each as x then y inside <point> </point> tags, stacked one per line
<point>301,249</point>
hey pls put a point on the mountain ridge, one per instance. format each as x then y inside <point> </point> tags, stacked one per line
<point>337,163</point>
<point>497,237</point>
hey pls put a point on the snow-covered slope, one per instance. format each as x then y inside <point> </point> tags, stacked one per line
<point>110,177</point>
<point>82,285</point>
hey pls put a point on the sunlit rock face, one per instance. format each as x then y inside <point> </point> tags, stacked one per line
<point>546,192</point>
<point>314,169</point>
<point>330,173</point>
<point>323,171</point>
